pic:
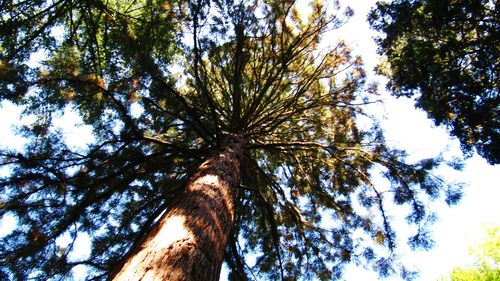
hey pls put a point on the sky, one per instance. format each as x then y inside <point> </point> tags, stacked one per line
<point>458,227</point>
<point>405,127</point>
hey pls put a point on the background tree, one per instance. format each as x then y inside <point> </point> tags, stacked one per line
<point>487,264</point>
<point>166,85</point>
<point>446,54</point>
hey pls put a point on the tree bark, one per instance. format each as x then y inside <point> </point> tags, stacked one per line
<point>188,241</point>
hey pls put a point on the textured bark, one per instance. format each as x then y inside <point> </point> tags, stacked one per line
<point>188,242</point>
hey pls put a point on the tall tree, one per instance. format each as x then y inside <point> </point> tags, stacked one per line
<point>446,53</point>
<point>231,121</point>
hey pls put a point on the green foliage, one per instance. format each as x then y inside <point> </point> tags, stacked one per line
<point>446,53</point>
<point>487,264</point>
<point>161,83</point>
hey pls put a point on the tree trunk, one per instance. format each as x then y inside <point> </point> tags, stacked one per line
<point>188,242</point>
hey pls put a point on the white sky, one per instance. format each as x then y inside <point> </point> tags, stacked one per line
<point>405,127</point>
<point>457,228</point>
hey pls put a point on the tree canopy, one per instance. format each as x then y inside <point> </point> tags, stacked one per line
<point>162,83</point>
<point>487,260</point>
<point>446,54</point>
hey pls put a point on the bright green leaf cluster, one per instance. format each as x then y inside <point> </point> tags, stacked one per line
<point>487,264</point>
